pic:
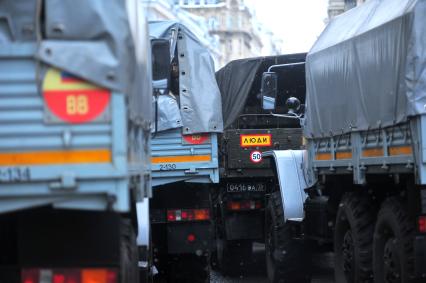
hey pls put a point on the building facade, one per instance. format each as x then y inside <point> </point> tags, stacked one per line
<point>160,10</point>
<point>235,27</point>
<point>337,7</point>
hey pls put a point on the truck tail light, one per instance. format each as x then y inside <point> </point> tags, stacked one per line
<point>422,224</point>
<point>244,205</point>
<point>177,215</point>
<point>84,275</point>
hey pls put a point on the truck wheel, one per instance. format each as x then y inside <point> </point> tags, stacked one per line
<point>232,256</point>
<point>393,251</point>
<point>189,268</point>
<point>353,237</point>
<point>129,271</point>
<point>286,258</point>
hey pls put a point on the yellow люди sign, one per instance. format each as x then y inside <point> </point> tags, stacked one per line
<point>255,140</point>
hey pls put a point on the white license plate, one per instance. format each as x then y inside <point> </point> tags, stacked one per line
<point>245,187</point>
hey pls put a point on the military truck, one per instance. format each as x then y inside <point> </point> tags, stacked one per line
<point>246,179</point>
<point>360,184</point>
<point>187,118</point>
<point>75,100</point>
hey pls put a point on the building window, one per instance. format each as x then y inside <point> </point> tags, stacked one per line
<point>229,23</point>
<point>349,4</point>
<point>212,22</point>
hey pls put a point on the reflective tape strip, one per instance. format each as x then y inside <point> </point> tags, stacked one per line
<point>401,150</point>
<point>55,157</point>
<point>323,156</point>
<point>183,158</point>
<point>344,155</point>
<point>372,152</point>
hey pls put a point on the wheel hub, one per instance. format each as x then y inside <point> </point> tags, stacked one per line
<point>348,256</point>
<point>392,267</point>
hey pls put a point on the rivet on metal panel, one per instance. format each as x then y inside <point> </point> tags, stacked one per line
<point>182,55</point>
<point>187,129</point>
<point>58,28</point>
<point>110,76</point>
<point>66,138</point>
<point>48,51</point>
<point>28,29</point>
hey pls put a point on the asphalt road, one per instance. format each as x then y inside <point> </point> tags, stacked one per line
<point>254,271</point>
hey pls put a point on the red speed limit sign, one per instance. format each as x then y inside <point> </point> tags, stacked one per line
<point>255,156</point>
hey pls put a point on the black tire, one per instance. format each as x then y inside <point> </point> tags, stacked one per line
<point>129,270</point>
<point>353,237</point>
<point>189,268</point>
<point>393,251</point>
<point>287,259</point>
<point>233,256</point>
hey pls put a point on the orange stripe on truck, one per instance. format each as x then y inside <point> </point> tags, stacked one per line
<point>55,157</point>
<point>183,158</point>
<point>323,156</point>
<point>401,150</point>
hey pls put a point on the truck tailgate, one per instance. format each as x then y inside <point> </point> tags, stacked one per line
<point>75,165</point>
<point>191,158</point>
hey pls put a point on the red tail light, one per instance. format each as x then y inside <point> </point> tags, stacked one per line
<point>177,215</point>
<point>30,276</point>
<point>244,205</point>
<point>86,275</point>
<point>422,224</point>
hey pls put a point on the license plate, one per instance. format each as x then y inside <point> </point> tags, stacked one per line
<point>245,187</point>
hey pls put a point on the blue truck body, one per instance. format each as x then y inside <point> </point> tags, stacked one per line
<point>175,160</point>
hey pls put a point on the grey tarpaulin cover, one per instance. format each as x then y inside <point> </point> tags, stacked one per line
<point>235,81</point>
<point>200,101</point>
<point>241,78</point>
<point>368,68</point>
<point>105,42</point>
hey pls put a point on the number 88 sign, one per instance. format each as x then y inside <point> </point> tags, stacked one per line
<point>73,100</point>
<point>255,156</point>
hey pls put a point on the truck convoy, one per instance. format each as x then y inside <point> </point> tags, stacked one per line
<point>187,118</point>
<point>74,140</point>
<point>246,179</point>
<point>360,184</point>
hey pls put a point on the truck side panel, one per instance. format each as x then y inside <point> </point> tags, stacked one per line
<point>44,162</point>
<point>191,158</point>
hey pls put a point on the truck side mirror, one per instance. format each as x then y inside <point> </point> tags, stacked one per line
<point>161,67</point>
<point>269,90</point>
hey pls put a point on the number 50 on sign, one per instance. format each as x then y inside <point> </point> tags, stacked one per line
<point>255,156</point>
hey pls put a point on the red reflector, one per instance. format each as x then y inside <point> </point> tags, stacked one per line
<point>202,214</point>
<point>422,224</point>
<point>30,276</point>
<point>58,278</point>
<point>244,205</point>
<point>234,205</point>
<point>111,276</point>
<point>171,215</point>
<point>191,238</point>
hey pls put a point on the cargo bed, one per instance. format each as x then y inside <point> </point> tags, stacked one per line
<point>48,162</point>
<point>190,158</point>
